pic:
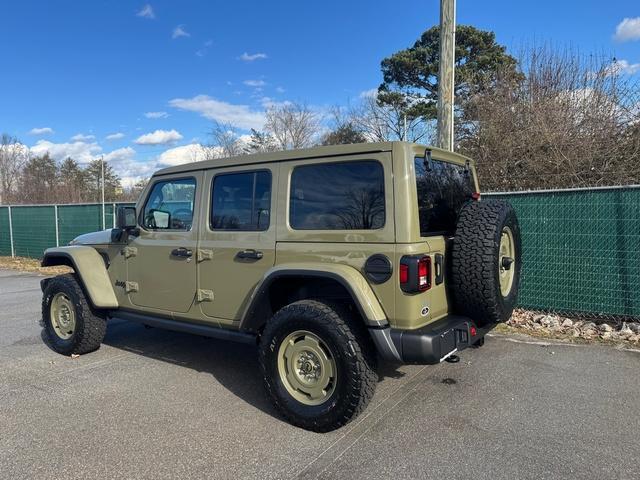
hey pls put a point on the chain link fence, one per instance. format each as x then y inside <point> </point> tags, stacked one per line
<point>581,247</point>
<point>28,230</point>
<point>581,250</point>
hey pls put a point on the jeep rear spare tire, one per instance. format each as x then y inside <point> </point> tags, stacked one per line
<point>485,262</point>
<point>318,365</point>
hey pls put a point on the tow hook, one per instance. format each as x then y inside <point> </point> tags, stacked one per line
<point>452,359</point>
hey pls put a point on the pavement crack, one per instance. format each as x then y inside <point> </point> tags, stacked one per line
<point>374,415</point>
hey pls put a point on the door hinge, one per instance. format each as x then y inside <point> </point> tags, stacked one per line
<point>129,252</point>
<point>204,254</point>
<point>205,295</point>
<point>131,287</point>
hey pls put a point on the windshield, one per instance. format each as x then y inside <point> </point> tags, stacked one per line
<point>443,188</point>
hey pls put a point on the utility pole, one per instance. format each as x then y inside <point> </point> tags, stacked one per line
<point>446,73</point>
<point>104,218</point>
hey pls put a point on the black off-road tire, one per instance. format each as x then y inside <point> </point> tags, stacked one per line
<point>475,281</point>
<point>90,327</point>
<point>354,355</point>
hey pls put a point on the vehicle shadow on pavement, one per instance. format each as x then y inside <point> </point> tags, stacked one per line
<point>234,365</point>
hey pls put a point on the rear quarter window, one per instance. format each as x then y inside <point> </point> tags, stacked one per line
<point>337,196</point>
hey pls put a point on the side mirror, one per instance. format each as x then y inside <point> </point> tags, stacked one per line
<point>126,218</point>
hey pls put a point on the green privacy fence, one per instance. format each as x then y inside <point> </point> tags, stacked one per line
<point>581,248</point>
<point>27,230</point>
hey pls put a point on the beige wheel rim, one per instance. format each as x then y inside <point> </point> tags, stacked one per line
<point>307,367</point>
<point>506,261</point>
<point>63,316</point>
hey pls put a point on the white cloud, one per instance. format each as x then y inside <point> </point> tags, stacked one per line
<point>128,169</point>
<point>268,102</point>
<point>120,155</point>
<point>627,30</point>
<point>115,136</point>
<point>246,57</point>
<point>146,12</point>
<point>240,116</point>
<point>184,154</point>
<point>180,32</point>
<point>205,49</point>
<point>280,90</point>
<point>41,131</point>
<point>81,152</point>
<point>83,138</point>
<point>372,92</point>
<point>156,114</point>
<point>159,137</point>
<point>619,67</point>
<point>255,83</point>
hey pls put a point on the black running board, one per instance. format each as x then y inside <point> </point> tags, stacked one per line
<point>186,327</point>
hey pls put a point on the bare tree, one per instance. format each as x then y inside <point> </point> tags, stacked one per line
<point>225,142</point>
<point>292,125</point>
<point>390,121</point>
<point>342,130</point>
<point>569,121</point>
<point>13,156</point>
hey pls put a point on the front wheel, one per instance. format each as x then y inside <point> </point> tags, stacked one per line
<point>70,324</point>
<point>318,365</point>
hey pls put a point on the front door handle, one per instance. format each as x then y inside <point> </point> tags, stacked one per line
<point>250,253</point>
<point>182,252</point>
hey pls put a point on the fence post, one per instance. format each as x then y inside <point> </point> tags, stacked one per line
<point>114,215</point>
<point>13,250</point>
<point>55,209</point>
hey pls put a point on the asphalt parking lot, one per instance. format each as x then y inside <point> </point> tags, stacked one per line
<point>156,404</point>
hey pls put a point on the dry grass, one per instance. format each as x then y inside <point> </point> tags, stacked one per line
<point>24,264</point>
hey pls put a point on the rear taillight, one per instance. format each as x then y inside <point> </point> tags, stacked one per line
<point>424,273</point>
<point>404,273</point>
<point>415,273</point>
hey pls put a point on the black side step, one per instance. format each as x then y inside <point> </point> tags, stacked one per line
<point>183,326</point>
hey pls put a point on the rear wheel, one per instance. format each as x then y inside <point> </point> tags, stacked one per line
<point>71,326</point>
<point>318,365</point>
<point>485,266</point>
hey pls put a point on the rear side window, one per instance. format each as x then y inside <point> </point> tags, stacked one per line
<point>241,201</point>
<point>337,196</point>
<point>443,188</point>
<point>170,205</point>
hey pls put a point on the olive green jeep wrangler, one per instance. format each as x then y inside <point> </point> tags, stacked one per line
<point>327,259</point>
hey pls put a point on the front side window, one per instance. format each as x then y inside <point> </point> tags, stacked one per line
<point>337,196</point>
<point>170,205</point>
<point>241,201</point>
<point>443,188</point>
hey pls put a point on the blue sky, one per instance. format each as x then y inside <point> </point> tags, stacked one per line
<point>140,81</point>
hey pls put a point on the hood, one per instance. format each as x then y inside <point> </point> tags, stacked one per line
<point>94,238</point>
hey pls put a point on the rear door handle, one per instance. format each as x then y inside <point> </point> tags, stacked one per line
<point>182,252</point>
<point>250,253</point>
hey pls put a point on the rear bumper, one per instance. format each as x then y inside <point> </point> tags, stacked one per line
<point>430,344</point>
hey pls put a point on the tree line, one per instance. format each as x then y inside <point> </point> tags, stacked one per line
<point>29,179</point>
<point>546,118</point>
